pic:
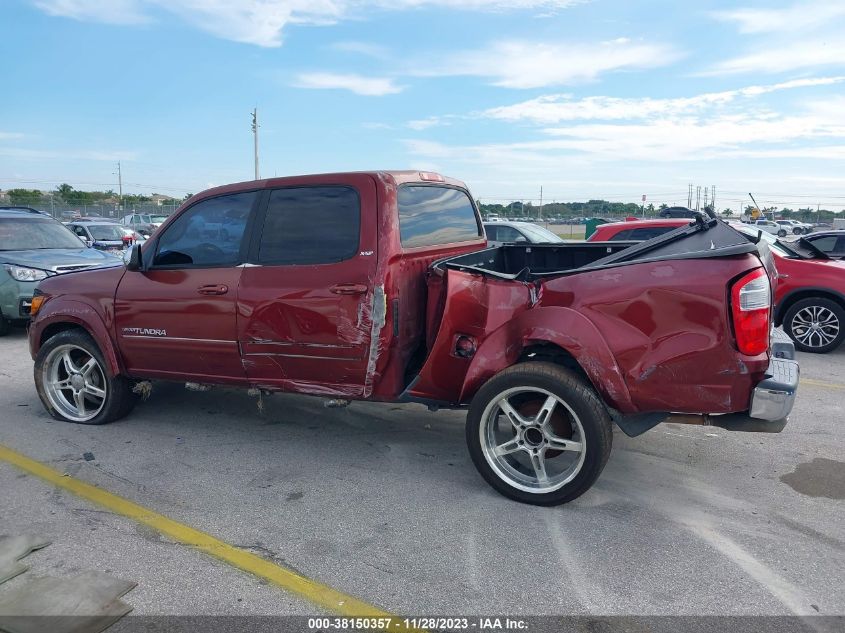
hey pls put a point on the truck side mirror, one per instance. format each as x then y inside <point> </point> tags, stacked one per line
<point>134,261</point>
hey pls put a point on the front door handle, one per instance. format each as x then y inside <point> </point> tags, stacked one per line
<point>348,289</point>
<point>213,289</point>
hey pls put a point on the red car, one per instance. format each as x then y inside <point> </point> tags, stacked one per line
<point>378,286</point>
<point>810,293</point>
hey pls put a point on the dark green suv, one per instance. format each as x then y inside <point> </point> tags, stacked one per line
<point>34,246</point>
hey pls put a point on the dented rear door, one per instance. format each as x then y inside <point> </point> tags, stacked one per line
<point>307,296</point>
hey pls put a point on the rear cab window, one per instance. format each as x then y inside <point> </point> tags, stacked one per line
<point>432,215</point>
<point>311,225</point>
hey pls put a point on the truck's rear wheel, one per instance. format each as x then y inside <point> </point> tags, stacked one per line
<point>539,434</point>
<point>73,381</point>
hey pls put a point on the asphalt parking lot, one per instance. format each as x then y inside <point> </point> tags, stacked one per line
<point>383,503</point>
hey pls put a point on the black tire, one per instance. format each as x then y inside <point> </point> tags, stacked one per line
<point>574,396</point>
<point>119,398</point>
<point>797,231</point>
<point>781,233</point>
<point>828,312</point>
<point>5,325</point>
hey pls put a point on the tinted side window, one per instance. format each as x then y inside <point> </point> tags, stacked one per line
<point>207,234</point>
<point>509,234</point>
<point>621,236</point>
<point>840,245</point>
<point>311,225</point>
<point>647,234</point>
<point>491,232</point>
<point>435,215</point>
<point>825,243</point>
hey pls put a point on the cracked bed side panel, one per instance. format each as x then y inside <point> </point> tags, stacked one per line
<point>560,326</point>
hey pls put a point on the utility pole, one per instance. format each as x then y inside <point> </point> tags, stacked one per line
<point>255,138</point>
<point>119,189</point>
<point>541,204</point>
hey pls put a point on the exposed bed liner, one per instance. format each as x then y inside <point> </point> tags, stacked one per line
<point>702,239</point>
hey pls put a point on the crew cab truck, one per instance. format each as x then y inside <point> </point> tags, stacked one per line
<point>379,286</point>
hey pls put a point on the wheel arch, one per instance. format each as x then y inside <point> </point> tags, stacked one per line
<point>558,335</point>
<point>809,292</point>
<point>74,315</point>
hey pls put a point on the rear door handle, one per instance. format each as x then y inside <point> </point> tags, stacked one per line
<point>348,289</point>
<point>213,289</point>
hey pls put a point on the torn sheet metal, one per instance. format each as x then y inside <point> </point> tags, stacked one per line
<point>379,317</point>
<point>87,603</point>
<point>14,548</point>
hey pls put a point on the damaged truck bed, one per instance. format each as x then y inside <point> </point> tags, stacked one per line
<point>378,286</point>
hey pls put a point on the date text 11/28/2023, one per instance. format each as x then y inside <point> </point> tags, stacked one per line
<point>432,623</point>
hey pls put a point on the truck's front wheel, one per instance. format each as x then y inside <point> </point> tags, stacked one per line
<point>539,434</point>
<point>74,384</point>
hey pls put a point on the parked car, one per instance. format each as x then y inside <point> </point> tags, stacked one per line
<point>34,247</point>
<point>796,228</point>
<point>502,232</point>
<point>637,230</point>
<point>831,243</point>
<point>810,293</point>
<point>378,286</point>
<point>143,223</point>
<point>771,227</point>
<point>679,212</point>
<point>103,236</point>
<point>810,289</point>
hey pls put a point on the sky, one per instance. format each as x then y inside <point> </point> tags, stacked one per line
<point>587,99</point>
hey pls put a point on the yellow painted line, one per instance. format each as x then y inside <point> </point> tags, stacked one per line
<point>313,591</point>
<point>820,383</point>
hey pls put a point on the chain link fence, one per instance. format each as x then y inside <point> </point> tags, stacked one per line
<point>64,210</point>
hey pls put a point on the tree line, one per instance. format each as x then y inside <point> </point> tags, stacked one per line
<point>67,195</point>
<point>604,208</point>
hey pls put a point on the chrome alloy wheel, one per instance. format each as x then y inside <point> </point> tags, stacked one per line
<point>815,326</point>
<point>532,439</point>
<point>75,383</point>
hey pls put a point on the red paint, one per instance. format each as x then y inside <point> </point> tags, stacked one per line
<point>649,336</point>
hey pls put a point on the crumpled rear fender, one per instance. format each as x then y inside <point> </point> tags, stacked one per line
<point>559,326</point>
<point>58,311</point>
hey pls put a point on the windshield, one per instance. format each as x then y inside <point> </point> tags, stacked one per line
<point>539,234</point>
<point>106,232</point>
<point>24,234</point>
<point>158,219</point>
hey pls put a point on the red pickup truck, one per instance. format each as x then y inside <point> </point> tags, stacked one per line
<point>378,286</point>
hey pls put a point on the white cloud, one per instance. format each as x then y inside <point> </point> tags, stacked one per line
<point>525,64</point>
<point>785,57</point>
<point>549,109</point>
<point>799,16</point>
<point>110,11</point>
<point>261,22</point>
<point>10,135</point>
<point>359,84</point>
<point>800,36</point>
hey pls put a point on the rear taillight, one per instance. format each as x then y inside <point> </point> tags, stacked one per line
<point>751,299</point>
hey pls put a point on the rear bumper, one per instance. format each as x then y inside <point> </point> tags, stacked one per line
<point>773,398</point>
